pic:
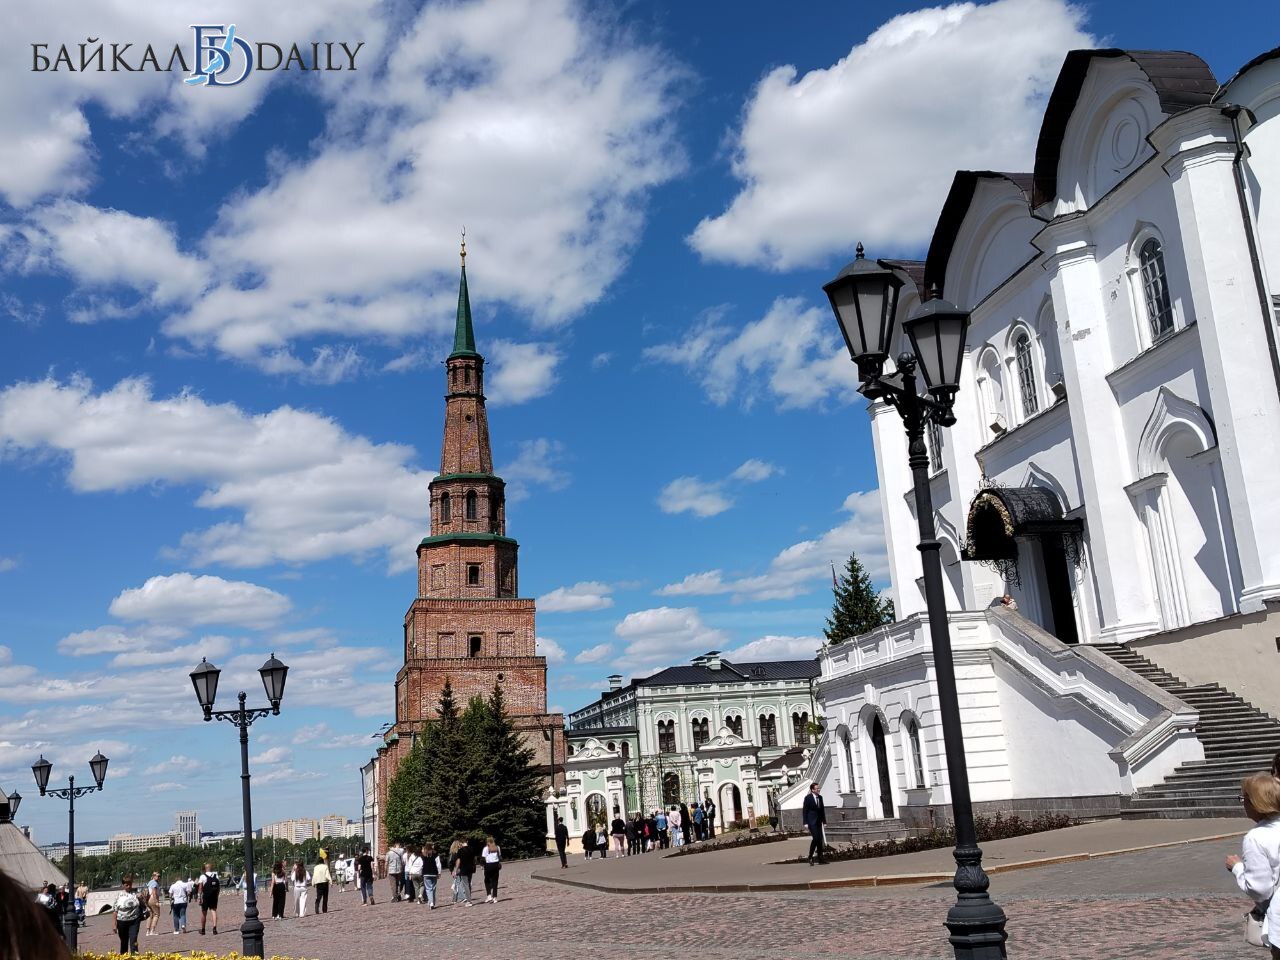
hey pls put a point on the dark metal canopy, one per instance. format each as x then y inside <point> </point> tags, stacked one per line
<point>998,515</point>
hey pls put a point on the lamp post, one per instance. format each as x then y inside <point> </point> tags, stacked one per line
<point>864,297</point>
<point>205,680</point>
<point>41,769</point>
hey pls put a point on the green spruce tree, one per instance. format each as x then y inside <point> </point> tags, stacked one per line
<point>858,606</point>
<point>449,758</point>
<point>508,804</point>
<point>407,820</point>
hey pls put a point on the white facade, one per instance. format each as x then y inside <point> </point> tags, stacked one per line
<point>1112,467</point>
<point>186,824</point>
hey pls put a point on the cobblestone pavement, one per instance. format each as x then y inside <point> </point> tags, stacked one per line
<point>1175,904</point>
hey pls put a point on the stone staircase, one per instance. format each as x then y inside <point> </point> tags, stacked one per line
<point>1238,740</point>
<point>869,831</point>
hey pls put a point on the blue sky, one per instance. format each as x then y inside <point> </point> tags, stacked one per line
<point>223,312</point>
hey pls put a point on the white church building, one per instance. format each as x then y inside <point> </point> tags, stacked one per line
<point>1114,468</point>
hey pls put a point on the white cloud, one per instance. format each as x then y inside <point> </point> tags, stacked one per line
<point>585,595</point>
<point>753,471</point>
<point>182,598</point>
<point>600,360</point>
<point>272,755</point>
<point>285,775</point>
<point>805,566</point>
<point>211,648</point>
<point>775,648</point>
<point>175,764</point>
<point>595,654</point>
<point>117,639</point>
<point>304,488</point>
<point>793,353</point>
<point>168,786</point>
<point>546,647</point>
<point>692,495</point>
<point>520,371</point>
<point>321,736</point>
<point>865,149</point>
<point>663,636</point>
<point>536,464</point>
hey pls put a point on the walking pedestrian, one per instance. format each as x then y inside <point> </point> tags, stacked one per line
<point>320,880</point>
<point>562,842</point>
<point>210,886</point>
<point>179,895</point>
<point>128,916</point>
<point>492,857</point>
<point>815,818</point>
<point>602,841</point>
<point>395,870</point>
<point>430,874</point>
<point>364,870</point>
<point>279,890</point>
<point>618,830</point>
<point>1257,869</point>
<point>462,863</point>
<point>413,874</point>
<point>153,903</point>
<point>588,842</point>
<point>301,879</point>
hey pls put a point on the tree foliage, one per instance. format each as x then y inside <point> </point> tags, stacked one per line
<point>858,606</point>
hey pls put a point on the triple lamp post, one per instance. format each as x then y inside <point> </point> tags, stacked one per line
<point>864,297</point>
<point>205,680</point>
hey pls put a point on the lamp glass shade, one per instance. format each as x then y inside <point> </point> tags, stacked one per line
<point>205,679</point>
<point>864,298</point>
<point>937,333</point>
<point>41,770</point>
<point>15,801</point>
<point>98,766</point>
<point>273,675</point>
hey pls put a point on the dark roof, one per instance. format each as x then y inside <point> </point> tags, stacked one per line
<point>913,269</point>
<point>794,757</point>
<point>945,232</point>
<point>1181,80</point>
<point>1257,61</point>
<point>734,672</point>
<point>582,733</point>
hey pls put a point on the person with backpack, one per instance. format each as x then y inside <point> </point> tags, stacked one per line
<point>128,916</point>
<point>430,874</point>
<point>210,887</point>
<point>492,857</point>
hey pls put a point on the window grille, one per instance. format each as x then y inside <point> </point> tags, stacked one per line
<point>1155,288</point>
<point>1026,374</point>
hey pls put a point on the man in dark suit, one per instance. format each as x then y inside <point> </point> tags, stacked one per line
<point>562,841</point>
<point>815,817</point>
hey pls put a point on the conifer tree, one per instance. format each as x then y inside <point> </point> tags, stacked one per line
<point>858,606</point>
<point>508,788</point>
<point>448,758</point>
<point>407,819</point>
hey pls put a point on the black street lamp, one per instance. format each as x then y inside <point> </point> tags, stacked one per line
<point>205,680</point>
<point>41,769</point>
<point>864,297</point>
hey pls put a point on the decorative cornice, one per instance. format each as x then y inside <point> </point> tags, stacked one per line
<point>442,538</point>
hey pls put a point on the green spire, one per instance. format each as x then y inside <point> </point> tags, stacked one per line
<point>464,337</point>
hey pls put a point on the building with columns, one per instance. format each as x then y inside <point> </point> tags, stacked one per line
<point>467,625</point>
<point>1111,468</point>
<point>685,733</point>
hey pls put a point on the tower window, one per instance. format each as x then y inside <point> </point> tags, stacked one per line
<point>734,724</point>
<point>768,730</point>
<point>1155,288</point>
<point>473,646</point>
<point>666,736</point>
<point>473,574</point>
<point>471,504</point>
<point>446,509</point>
<point>467,375</point>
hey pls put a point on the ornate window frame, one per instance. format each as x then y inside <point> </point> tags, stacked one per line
<point>1139,281</point>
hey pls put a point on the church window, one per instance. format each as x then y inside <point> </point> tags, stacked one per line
<point>473,574</point>
<point>471,505</point>
<point>474,646</point>
<point>467,374</point>
<point>1155,288</point>
<point>734,724</point>
<point>768,730</point>
<point>917,757</point>
<point>626,750</point>
<point>701,731</point>
<point>666,736</point>
<point>446,509</point>
<point>1026,370</point>
<point>800,727</point>
<point>933,440</point>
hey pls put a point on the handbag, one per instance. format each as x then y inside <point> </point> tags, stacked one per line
<point>1252,930</point>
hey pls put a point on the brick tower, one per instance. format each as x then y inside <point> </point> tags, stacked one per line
<point>468,624</point>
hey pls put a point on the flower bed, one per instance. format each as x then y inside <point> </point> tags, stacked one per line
<point>729,843</point>
<point>999,827</point>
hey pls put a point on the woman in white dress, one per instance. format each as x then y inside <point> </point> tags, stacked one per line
<point>301,880</point>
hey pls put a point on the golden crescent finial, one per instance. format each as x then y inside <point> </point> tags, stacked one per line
<point>463,253</point>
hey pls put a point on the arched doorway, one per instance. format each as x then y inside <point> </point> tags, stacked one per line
<point>597,809</point>
<point>730,804</point>
<point>882,766</point>
<point>670,789</point>
<point>1021,532</point>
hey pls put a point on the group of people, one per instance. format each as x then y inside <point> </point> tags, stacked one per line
<point>674,826</point>
<point>415,871</point>
<point>134,906</point>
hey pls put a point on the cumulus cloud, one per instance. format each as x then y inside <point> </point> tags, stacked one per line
<point>753,471</point>
<point>175,764</point>
<point>304,488</point>
<point>537,463</point>
<point>185,599</point>
<point>775,648</point>
<point>321,736</point>
<point>662,636</point>
<point>865,149</point>
<point>792,354</point>
<point>520,371</point>
<point>585,595</point>
<point>595,654</point>
<point>805,566</point>
<point>692,495</point>
<point>546,647</point>
<point>168,786</point>
<point>272,755</point>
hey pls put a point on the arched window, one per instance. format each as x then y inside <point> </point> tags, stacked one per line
<point>626,750</point>
<point>701,730</point>
<point>734,724</point>
<point>474,645</point>
<point>467,374</point>
<point>471,505</point>
<point>800,727</point>
<point>917,756</point>
<point>446,509</point>
<point>768,730</point>
<point>1026,369</point>
<point>1155,288</point>
<point>933,440</point>
<point>666,736</point>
